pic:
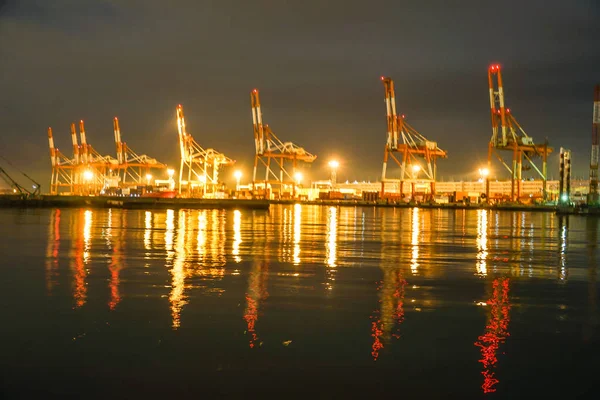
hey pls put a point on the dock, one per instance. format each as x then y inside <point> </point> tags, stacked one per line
<point>145,203</point>
<point>152,203</point>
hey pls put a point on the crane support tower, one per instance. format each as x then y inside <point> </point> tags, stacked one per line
<point>508,135</point>
<point>133,169</point>
<point>413,148</point>
<point>199,168</point>
<point>593,194</point>
<point>279,159</point>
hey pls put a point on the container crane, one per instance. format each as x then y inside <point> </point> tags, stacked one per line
<point>269,148</point>
<point>95,169</point>
<point>133,169</point>
<point>64,169</point>
<point>508,135</point>
<point>200,165</point>
<point>413,148</point>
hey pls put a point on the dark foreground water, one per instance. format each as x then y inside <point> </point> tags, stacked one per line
<point>300,301</point>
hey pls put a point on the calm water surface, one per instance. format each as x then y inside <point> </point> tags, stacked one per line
<point>300,301</point>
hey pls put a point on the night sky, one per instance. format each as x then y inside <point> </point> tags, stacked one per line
<point>317,65</point>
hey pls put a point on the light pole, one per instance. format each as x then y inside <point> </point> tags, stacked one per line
<point>149,179</point>
<point>88,176</point>
<point>333,164</point>
<point>238,175</point>
<point>416,168</point>
<point>415,172</point>
<point>170,173</point>
<point>484,173</point>
<point>298,178</point>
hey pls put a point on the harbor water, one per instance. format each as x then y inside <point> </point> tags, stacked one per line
<point>299,301</point>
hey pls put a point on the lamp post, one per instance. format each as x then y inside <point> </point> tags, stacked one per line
<point>415,174</point>
<point>485,173</point>
<point>333,164</point>
<point>88,176</point>
<point>298,179</point>
<point>238,175</point>
<point>171,173</point>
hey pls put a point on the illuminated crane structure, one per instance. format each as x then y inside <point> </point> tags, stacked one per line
<point>133,169</point>
<point>199,167</point>
<point>86,173</point>
<point>95,169</point>
<point>413,147</point>
<point>64,169</point>
<point>593,194</point>
<point>269,149</point>
<point>508,135</point>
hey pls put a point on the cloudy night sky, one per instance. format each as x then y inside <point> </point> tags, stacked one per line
<point>317,65</point>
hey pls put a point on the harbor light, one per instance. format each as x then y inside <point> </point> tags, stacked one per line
<point>88,175</point>
<point>298,177</point>
<point>416,168</point>
<point>333,164</point>
<point>484,172</point>
<point>238,175</point>
<point>170,172</point>
<point>149,178</point>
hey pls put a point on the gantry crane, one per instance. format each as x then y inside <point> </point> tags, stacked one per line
<point>64,169</point>
<point>413,147</point>
<point>95,169</point>
<point>508,135</point>
<point>269,148</point>
<point>133,169</point>
<point>200,165</point>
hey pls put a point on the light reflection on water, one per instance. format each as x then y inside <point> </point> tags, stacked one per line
<point>389,268</point>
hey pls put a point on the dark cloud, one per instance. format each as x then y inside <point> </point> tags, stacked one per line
<point>316,63</point>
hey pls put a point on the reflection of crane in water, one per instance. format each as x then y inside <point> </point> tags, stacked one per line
<point>52,250</point>
<point>391,310</point>
<point>496,332</point>
<point>177,297</point>
<point>116,262</point>
<point>257,292</point>
<point>80,253</point>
